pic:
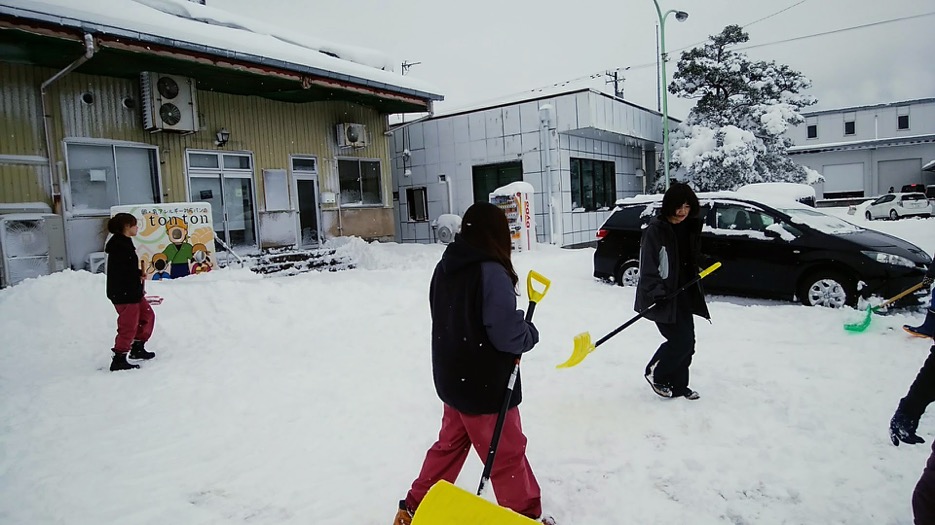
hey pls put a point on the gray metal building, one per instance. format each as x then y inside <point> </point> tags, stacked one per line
<point>863,151</point>
<point>580,149</point>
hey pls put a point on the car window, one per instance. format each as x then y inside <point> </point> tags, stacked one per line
<point>913,197</point>
<point>734,217</point>
<point>626,218</point>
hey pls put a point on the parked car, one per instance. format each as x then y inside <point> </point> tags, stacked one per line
<point>913,188</point>
<point>782,250</point>
<point>897,205</point>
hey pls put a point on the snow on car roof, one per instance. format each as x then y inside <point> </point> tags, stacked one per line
<point>799,213</point>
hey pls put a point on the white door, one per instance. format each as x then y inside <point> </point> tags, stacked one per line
<point>305,200</point>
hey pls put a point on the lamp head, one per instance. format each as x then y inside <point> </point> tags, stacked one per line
<point>222,136</point>
<point>681,16</point>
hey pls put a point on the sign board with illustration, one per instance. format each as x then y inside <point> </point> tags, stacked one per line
<point>174,239</point>
<point>516,201</point>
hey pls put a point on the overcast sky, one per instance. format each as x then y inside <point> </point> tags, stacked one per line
<point>487,49</point>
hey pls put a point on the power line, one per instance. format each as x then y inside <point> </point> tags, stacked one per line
<point>774,14</point>
<point>793,39</point>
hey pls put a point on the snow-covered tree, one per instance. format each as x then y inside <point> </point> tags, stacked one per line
<point>734,134</point>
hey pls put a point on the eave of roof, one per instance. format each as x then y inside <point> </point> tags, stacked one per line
<point>58,26</point>
<point>863,144</point>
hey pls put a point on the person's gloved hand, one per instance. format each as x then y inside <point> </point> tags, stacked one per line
<point>927,281</point>
<point>903,428</point>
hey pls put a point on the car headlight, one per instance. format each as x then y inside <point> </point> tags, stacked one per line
<point>889,258</point>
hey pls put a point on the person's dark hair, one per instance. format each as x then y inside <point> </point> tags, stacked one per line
<point>678,194</point>
<point>119,222</point>
<point>485,227</point>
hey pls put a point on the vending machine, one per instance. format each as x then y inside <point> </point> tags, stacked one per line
<point>516,200</point>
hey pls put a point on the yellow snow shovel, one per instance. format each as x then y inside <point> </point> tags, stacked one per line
<point>583,345</point>
<point>446,504</point>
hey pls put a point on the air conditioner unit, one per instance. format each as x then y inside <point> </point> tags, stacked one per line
<point>168,103</point>
<point>31,245</point>
<point>352,135</point>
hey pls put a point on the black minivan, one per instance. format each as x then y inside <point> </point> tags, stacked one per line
<point>781,250</point>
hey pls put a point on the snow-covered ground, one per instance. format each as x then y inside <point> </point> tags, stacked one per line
<point>309,399</point>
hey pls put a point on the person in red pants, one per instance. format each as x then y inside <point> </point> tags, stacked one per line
<point>477,332</point>
<point>125,280</point>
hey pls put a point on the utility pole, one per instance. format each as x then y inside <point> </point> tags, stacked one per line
<point>617,80</point>
<point>658,76</point>
<point>406,65</point>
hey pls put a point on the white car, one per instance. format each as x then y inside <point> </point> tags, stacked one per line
<point>897,205</point>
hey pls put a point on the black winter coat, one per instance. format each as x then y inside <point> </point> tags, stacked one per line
<point>659,267</point>
<point>477,332</point>
<point>124,285</point>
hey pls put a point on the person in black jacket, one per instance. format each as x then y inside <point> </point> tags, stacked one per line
<point>477,333</point>
<point>125,279</point>
<point>670,257</point>
<point>903,427</point>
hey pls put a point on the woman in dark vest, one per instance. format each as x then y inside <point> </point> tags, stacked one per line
<point>477,332</point>
<point>670,257</point>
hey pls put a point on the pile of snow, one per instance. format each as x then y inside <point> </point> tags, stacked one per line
<point>309,399</point>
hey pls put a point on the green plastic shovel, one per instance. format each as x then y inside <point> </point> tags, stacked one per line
<point>862,325</point>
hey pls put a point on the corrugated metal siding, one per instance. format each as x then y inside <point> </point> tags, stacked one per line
<point>269,129</point>
<point>23,183</point>
<point>21,134</point>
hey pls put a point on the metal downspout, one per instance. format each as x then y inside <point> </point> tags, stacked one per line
<point>89,50</point>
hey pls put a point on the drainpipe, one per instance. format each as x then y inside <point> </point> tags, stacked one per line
<point>89,50</point>
<point>545,144</point>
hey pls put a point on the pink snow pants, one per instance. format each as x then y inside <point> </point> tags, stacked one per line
<point>512,478</point>
<point>134,322</point>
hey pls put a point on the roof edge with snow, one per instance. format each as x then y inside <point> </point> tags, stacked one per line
<point>278,54</point>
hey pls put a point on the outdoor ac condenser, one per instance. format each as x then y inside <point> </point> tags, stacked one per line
<point>31,245</point>
<point>168,103</point>
<point>352,135</point>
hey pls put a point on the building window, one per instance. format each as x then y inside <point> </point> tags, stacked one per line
<point>105,175</point>
<point>418,204</point>
<point>811,127</point>
<point>360,182</point>
<point>225,181</point>
<point>902,117</point>
<point>593,184</point>
<point>850,125</point>
<point>492,176</point>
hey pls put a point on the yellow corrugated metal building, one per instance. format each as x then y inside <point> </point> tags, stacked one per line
<point>132,118</point>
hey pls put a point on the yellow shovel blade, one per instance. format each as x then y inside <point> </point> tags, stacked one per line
<point>583,347</point>
<point>446,504</point>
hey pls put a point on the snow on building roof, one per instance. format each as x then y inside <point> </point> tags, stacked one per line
<point>929,166</point>
<point>215,31</point>
<point>531,95</point>
<point>868,106</point>
<point>859,144</point>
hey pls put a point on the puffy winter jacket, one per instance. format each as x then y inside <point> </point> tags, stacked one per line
<point>659,267</point>
<point>124,285</point>
<point>477,332</point>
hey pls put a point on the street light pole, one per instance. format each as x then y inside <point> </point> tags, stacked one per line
<point>681,16</point>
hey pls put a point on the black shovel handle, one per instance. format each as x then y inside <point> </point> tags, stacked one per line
<point>672,295</point>
<point>501,417</point>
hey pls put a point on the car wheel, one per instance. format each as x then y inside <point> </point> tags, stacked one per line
<point>893,215</point>
<point>628,274</point>
<point>868,216</point>
<point>827,288</point>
